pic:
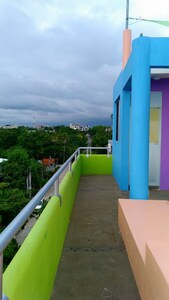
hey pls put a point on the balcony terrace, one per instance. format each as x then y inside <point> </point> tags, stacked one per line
<point>94,263</point>
<point>75,249</point>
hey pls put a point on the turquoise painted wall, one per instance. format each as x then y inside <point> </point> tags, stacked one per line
<point>31,273</point>
<point>131,150</point>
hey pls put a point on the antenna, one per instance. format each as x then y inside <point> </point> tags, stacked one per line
<point>34,122</point>
<point>127,14</point>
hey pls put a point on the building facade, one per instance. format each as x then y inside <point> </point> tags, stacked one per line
<point>141,119</point>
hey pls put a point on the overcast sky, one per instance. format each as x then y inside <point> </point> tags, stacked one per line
<point>59,59</point>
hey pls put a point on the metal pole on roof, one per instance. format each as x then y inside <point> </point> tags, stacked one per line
<point>127,14</point>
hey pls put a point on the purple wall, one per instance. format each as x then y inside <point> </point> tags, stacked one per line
<point>162,85</point>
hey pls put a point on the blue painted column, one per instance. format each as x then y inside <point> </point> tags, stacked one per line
<point>140,119</point>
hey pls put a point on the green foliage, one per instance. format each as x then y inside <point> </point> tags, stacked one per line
<point>39,175</point>
<point>100,135</point>
<point>8,138</point>
<point>9,253</point>
<point>14,170</point>
<point>12,202</point>
<point>58,142</point>
<point>35,142</point>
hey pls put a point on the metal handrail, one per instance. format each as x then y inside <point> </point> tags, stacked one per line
<point>95,148</point>
<point>10,231</point>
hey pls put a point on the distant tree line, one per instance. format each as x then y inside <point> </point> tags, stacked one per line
<point>42,143</point>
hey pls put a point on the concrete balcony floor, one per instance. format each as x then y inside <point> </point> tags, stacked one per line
<point>94,262</point>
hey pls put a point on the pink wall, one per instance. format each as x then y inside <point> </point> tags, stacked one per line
<point>162,85</point>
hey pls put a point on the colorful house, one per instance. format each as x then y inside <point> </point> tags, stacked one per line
<point>141,119</point>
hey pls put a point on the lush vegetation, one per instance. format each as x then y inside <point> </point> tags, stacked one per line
<point>24,148</point>
<point>55,141</point>
<point>100,135</point>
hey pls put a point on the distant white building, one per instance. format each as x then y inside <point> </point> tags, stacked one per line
<point>76,126</point>
<point>9,126</point>
<point>2,160</point>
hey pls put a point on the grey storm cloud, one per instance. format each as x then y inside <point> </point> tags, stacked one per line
<point>59,59</point>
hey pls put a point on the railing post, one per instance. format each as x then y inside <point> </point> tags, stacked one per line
<point>56,190</point>
<point>108,153</point>
<point>70,167</point>
<point>87,152</point>
<point>78,152</point>
<point>56,187</point>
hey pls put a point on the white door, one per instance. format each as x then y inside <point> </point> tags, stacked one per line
<point>155,139</point>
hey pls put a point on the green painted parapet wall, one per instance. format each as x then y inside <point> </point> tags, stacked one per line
<point>97,164</point>
<point>31,273</point>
